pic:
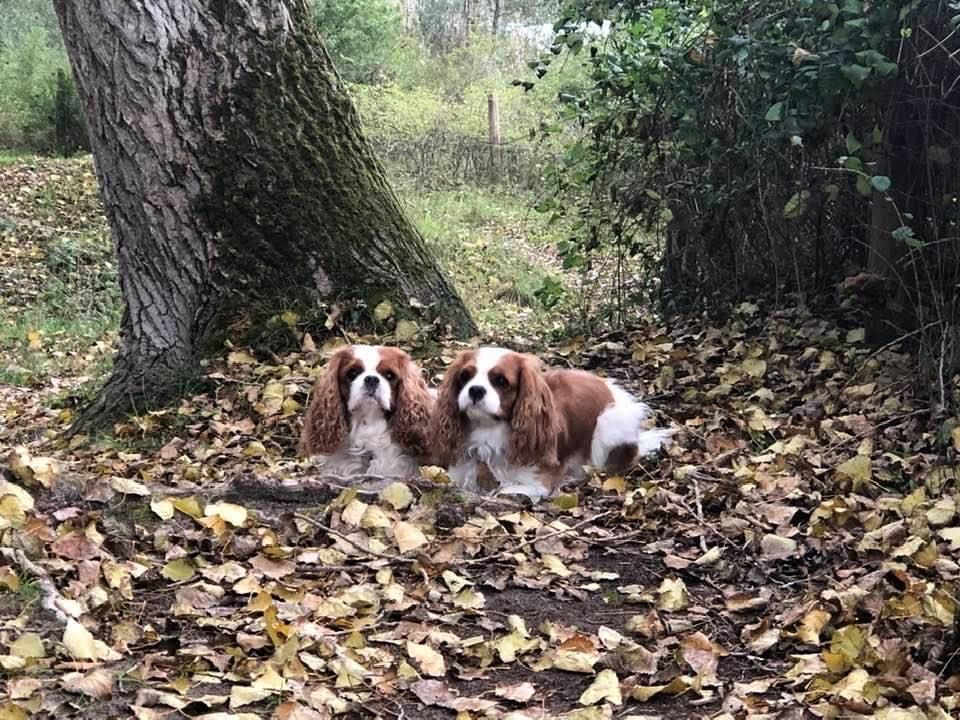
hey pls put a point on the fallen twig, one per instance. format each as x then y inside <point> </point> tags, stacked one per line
<point>535,540</point>
<point>352,543</point>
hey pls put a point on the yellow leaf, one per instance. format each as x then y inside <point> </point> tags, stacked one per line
<point>162,507</point>
<point>408,537</point>
<point>955,436</point>
<point>24,498</point>
<point>241,357</point>
<point>952,536</point>
<point>45,470</point>
<point>811,625</point>
<point>255,449</point>
<point>435,474</point>
<point>567,501</point>
<point>11,711</point>
<point>290,318</point>
<point>188,506</point>
<point>28,645</point>
<point>913,500</point>
<point>241,695</point>
<point>605,687</point>
<point>374,517</point>
<point>270,680</point>
<point>383,311</point>
<point>556,566</point>
<point>672,595</point>
<point>83,646</point>
<point>271,399</point>
<point>429,660</point>
<point>34,340</point>
<point>516,643</point>
<point>710,556</point>
<point>178,570</point>
<point>406,330</point>
<point>615,483</point>
<point>398,495</point>
<point>126,486</point>
<point>857,470</point>
<point>12,513</point>
<point>856,335</point>
<point>942,513</point>
<point>754,367</point>
<point>236,515</point>
<point>353,513</point>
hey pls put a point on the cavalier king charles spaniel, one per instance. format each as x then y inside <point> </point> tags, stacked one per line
<point>500,413</point>
<point>368,414</point>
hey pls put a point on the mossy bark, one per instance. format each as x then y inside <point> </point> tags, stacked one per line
<point>236,179</point>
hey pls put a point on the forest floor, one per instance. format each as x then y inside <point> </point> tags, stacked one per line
<point>793,554</point>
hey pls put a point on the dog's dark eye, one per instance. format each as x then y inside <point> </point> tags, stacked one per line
<point>499,381</point>
<point>464,377</point>
<point>390,375</point>
<point>353,374</point>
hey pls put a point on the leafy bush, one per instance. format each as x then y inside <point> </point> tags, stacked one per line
<point>39,107</point>
<point>742,148</point>
<point>431,122</point>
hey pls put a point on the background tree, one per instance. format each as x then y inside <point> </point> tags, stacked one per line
<point>236,180</point>
<point>359,35</point>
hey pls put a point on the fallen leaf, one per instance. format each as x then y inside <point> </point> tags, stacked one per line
<point>672,595</point>
<point>775,547</point>
<point>605,687</point>
<point>519,693</point>
<point>398,495</point>
<point>429,660</point>
<point>408,537</point>
<point>97,684</point>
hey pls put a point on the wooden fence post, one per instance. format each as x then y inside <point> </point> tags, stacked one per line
<point>493,119</point>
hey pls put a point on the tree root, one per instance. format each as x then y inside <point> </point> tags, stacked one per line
<point>321,489</point>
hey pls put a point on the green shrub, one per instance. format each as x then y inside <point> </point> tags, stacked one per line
<point>39,108</point>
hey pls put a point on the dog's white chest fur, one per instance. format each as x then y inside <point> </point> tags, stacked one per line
<point>488,444</point>
<point>369,449</point>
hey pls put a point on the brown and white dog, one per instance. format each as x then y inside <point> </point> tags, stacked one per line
<point>368,414</point>
<point>533,428</point>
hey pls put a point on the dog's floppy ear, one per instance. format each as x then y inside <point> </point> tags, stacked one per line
<point>535,423</point>
<point>445,431</point>
<point>325,425</point>
<point>411,414</point>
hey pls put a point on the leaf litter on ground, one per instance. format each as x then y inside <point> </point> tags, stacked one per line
<point>795,551</point>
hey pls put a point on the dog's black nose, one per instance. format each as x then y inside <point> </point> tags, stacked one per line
<point>477,392</point>
<point>371,381</point>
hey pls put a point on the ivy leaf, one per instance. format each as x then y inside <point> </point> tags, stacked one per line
<point>797,205</point>
<point>775,113</point>
<point>856,74</point>
<point>853,144</point>
<point>881,183</point>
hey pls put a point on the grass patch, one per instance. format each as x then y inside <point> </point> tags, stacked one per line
<point>498,252</point>
<point>67,328</point>
<point>11,156</point>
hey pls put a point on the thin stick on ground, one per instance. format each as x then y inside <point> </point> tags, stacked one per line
<point>696,497</point>
<point>353,543</point>
<point>533,541</point>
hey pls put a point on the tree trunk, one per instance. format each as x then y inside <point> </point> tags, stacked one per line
<point>236,180</point>
<point>497,11</point>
